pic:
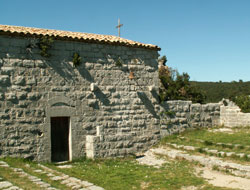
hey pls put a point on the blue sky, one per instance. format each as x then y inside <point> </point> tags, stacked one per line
<point>208,39</point>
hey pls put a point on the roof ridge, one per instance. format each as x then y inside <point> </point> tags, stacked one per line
<point>81,36</point>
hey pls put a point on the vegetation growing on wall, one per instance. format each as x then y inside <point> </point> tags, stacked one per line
<point>44,44</point>
<point>176,86</point>
<point>76,59</point>
<point>119,62</point>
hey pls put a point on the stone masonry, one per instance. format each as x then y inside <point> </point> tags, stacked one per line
<point>98,96</point>
<point>231,116</point>
<point>177,116</point>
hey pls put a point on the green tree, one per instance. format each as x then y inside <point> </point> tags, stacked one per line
<point>176,86</point>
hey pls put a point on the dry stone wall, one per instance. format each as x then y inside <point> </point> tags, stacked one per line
<point>231,116</point>
<point>98,92</point>
<point>177,116</point>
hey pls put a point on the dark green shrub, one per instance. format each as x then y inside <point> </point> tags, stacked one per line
<point>243,101</point>
<point>76,59</point>
<point>176,86</point>
<point>119,62</point>
<point>44,44</point>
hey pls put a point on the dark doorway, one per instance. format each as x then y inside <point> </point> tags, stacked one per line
<point>59,139</point>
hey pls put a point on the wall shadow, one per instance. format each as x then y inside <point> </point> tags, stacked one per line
<point>147,103</point>
<point>102,97</point>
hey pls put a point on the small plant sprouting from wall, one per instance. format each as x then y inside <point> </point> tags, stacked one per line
<point>44,44</point>
<point>76,59</point>
<point>119,62</point>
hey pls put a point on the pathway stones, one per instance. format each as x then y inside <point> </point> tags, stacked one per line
<point>239,146</point>
<point>6,184</point>
<point>22,173</point>
<point>68,181</point>
<point>234,168</point>
<point>209,151</point>
<point>71,182</point>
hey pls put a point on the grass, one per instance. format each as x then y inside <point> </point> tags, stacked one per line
<point>22,163</point>
<point>126,173</point>
<point>23,182</point>
<point>241,136</point>
<point>113,174</point>
<point>119,174</point>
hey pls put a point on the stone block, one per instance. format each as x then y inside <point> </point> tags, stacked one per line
<point>195,108</point>
<point>22,95</point>
<point>33,96</point>
<point>10,96</point>
<point>4,80</point>
<point>28,63</point>
<point>19,80</point>
<point>40,64</point>
<point>1,96</point>
<point>7,70</point>
<point>31,81</point>
<point>93,87</point>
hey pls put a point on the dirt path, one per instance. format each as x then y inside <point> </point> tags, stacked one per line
<point>219,179</point>
<point>213,177</point>
<point>151,159</point>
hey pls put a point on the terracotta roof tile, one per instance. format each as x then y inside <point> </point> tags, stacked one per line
<point>79,36</point>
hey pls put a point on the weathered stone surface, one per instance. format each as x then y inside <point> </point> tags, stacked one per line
<point>231,116</point>
<point>4,80</point>
<point>95,93</point>
<point>19,80</point>
<point>177,116</point>
<point>10,96</point>
<point>5,184</point>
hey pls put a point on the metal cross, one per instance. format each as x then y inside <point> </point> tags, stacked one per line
<point>119,26</point>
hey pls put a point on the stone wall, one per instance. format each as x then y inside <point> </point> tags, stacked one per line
<point>96,93</point>
<point>177,116</point>
<point>231,116</point>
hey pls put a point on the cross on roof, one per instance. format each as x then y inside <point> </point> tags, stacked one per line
<point>119,26</point>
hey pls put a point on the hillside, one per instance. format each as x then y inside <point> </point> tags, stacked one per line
<point>215,91</point>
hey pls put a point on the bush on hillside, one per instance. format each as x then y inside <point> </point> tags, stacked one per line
<point>243,101</point>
